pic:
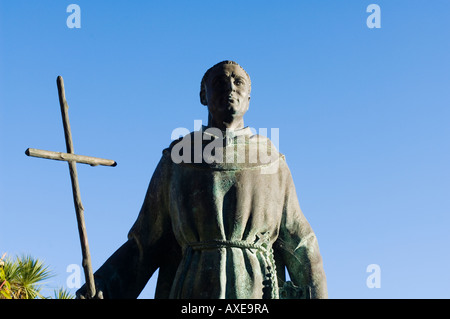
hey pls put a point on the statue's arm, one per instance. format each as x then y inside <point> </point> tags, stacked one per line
<point>298,247</point>
<point>127,271</point>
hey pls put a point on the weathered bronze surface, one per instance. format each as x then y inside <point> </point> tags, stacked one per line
<point>220,219</point>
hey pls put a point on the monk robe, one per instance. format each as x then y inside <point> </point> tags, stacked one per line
<point>220,219</point>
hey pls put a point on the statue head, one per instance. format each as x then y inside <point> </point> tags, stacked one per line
<point>225,89</point>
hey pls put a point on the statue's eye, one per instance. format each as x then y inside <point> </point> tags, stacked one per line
<point>239,82</point>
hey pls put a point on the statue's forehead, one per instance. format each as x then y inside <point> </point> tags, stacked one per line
<point>229,70</point>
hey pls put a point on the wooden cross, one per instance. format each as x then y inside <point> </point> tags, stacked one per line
<point>72,159</point>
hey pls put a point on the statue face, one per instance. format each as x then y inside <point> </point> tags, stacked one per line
<point>227,93</point>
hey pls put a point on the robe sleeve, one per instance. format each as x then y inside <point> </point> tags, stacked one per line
<point>127,271</point>
<point>297,245</point>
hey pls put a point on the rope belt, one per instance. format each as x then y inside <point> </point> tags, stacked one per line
<point>270,290</point>
<point>214,244</point>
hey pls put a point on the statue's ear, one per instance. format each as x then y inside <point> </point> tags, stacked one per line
<point>203,98</point>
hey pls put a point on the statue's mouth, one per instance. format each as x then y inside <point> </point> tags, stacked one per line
<point>230,99</point>
<point>229,104</point>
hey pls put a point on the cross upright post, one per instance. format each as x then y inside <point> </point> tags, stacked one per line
<point>72,159</point>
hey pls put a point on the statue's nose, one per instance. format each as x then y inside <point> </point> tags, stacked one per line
<point>231,86</point>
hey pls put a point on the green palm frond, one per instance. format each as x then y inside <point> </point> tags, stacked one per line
<point>11,269</point>
<point>25,276</point>
<point>33,271</point>
<point>63,294</point>
<point>32,276</point>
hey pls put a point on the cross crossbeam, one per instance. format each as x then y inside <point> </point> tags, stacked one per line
<point>59,156</point>
<point>72,159</point>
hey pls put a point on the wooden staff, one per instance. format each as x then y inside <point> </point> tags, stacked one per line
<point>79,209</point>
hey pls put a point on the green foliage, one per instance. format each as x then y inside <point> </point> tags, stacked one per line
<point>24,277</point>
<point>62,293</point>
<point>5,286</point>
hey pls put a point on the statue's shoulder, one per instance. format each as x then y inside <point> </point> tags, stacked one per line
<point>167,151</point>
<point>256,138</point>
<point>264,141</point>
<point>175,142</point>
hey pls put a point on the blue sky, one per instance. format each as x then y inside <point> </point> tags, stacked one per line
<point>362,113</point>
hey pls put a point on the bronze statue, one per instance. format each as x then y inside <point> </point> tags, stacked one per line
<point>220,218</point>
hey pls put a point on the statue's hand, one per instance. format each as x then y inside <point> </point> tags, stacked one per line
<point>83,294</point>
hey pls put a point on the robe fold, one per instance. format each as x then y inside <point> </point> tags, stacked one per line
<point>224,224</point>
